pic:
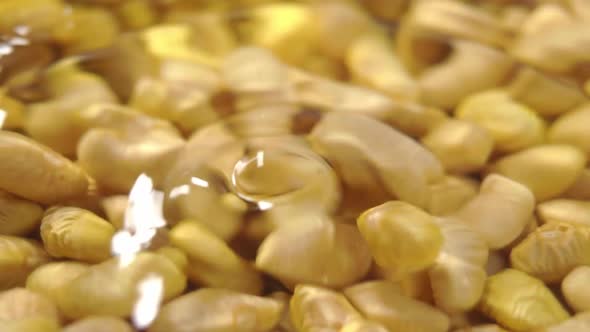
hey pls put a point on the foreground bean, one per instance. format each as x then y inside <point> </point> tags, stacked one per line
<point>520,302</point>
<point>457,276</point>
<point>314,249</point>
<point>219,310</point>
<point>547,170</point>
<point>77,234</point>
<point>419,238</point>
<point>450,194</point>
<point>552,251</point>
<point>318,309</point>
<point>37,173</point>
<point>499,212</point>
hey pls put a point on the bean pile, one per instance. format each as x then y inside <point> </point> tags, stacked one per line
<point>294,166</point>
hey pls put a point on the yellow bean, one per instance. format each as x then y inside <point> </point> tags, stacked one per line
<point>176,256</point>
<point>457,276</point>
<point>547,170</point>
<point>57,123</point>
<point>99,323</point>
<point>211,262</point>
<point>450,194</point>
<point>579,322</point>
<point>77,234</point>
<point>500,211</point>
<point>363,326</point>
<point>512,125</point>
<point>18,216</point>
<point>114,208</point>
<point>21,303</point>
<point>220,309</point>
<point>373,63</point>
<point>565,210</point>
<point>109,289</point>
<point>13,112</point>
<point>546,95</point>
<point>572,128</point>
<point>580,189</point>
<point>520,302</point>
<point>574,288</point>
<point>38,174</point>
<point>41,16</point>
<point>314,249</point>
<point>351,142</point>
<point>49,278</point>
<point>483,328</point>
<point>419,238</point>
<point>316,309</point>
<point>552,251</point>
<point>470,68</point>
<point>461,146</point>
<point>30,325</point>
<point>381,301</point>
<point>137,14</point>
<point>19,258</point>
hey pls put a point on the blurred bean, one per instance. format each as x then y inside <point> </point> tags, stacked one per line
<point>428,24</point>
<point>13,111</point>
<point>565,210</point>
<point>41,16</point>
<point>18,216</point>
<point>470,68</point>
<point>373,63</point>
<point>512,125</point>
<point>137,14</point>
<point>114,208</point>
<point>380,301</point>
<point>37,173</point>
<point>21,303</point>
<point>579,322</point>
<point>124,145</point>
<point>111,288</point>
<point>369,145</point>
<point>30,325</point>
<point>98,324</point>
<point>520,302</point>
<point>580,189</point>
<point>57,123</point>
<point>176,256</point>
<point>552,251</point>
<point>574,288</point>
<point>220,310</point>
<point>77,234</point>
<point>499,212</point>
<point>572,128</point>
<point>450,194</point>
<point>211,262</point>
<point>19,258</point>
<point>548,96</point>
<point>314,249</point>
<point>461,146</point>
<point>483,328</point>
<point>86,28</point>
<point>47,279</point>
<point>547,170</point>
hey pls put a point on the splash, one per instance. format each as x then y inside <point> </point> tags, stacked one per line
<point>143,218</point>
<point>148,304</point>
